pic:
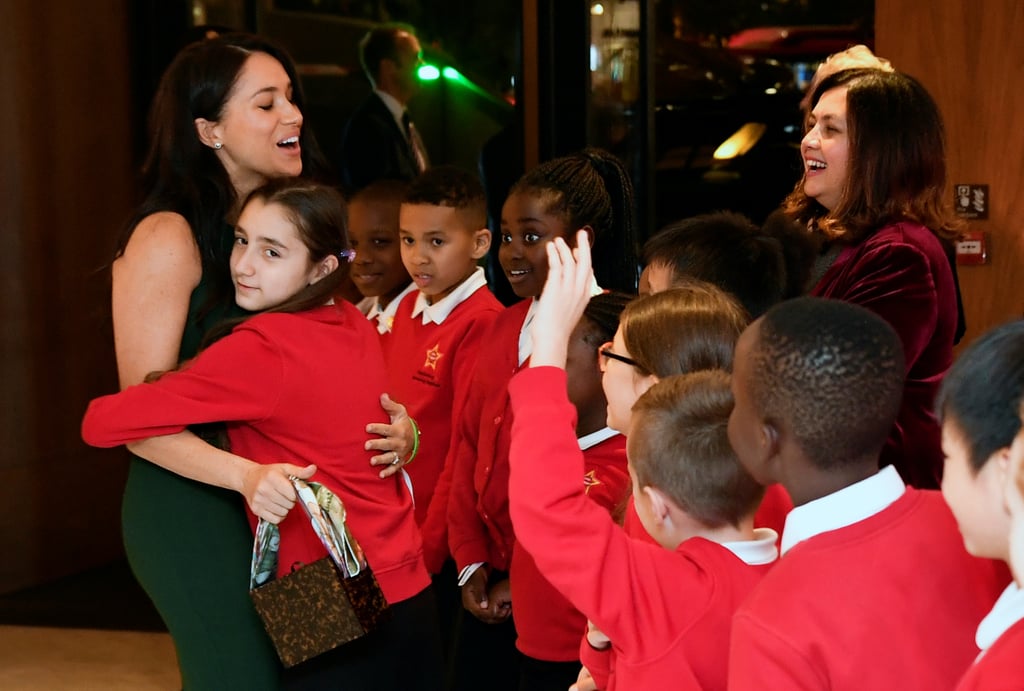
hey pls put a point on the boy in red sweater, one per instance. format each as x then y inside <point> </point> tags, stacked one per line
<point>663,611</point>
<point>437,331</point>
<point>980,418</point>
<point>874,589</point>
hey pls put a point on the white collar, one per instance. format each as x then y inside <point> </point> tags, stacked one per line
<point>1008,610</point>
<point>440,310</point>
<point>525,341</point>
<point>595,438</point>
<point>394,106</point>
<point>385,316</point>
<point>847,506</point>
<point>760,550</point>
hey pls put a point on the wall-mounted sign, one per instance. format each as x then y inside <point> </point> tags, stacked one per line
<point>971,201</point>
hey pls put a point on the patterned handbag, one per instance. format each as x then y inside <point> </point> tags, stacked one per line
<point>319,606</point>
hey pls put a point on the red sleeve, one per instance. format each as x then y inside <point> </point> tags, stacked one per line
<point>467,535</point>
<point>597,662</point>
<point>894,280</point>
<point>575,543</point>
<point>435,526</point>
<point>761,659</point>
<point>237,378</point>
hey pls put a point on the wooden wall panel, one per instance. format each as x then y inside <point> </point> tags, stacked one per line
<point>970,56</point>
<point>65,189</point>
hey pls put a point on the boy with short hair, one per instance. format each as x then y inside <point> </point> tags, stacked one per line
<point>874,589</point>
<point>377,270</point>
<point>437,330</point>
<point>664,609</point>
<point>723,248</point>
<point>979,409</point>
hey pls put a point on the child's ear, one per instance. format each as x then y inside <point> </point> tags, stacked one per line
<point>481,243</point>
<point>769,445</point>
<point>590,234</point>
<point>208,132</point>
<point>658,502</point>
<point>324,268</point>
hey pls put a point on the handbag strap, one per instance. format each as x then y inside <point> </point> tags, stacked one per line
<point>330,526</point>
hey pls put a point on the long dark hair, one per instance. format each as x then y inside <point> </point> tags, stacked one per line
<point>182,175</point>
<point>592,188</point>
<point>897,160</point>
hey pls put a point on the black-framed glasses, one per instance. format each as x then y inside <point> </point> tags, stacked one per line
<point>606,352</point>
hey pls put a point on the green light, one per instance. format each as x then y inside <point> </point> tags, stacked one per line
<point>428,73</point>
<point>451,73</point>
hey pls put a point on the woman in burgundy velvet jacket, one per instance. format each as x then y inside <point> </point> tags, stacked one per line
<point>874,190</point>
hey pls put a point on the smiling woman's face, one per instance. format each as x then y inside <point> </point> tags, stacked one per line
<point>825,149</point>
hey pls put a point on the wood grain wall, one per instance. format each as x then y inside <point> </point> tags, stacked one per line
<point>970,56</point>
<point>65,188</point>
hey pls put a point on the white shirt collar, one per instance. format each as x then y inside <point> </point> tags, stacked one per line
<point>440,310</point>
<point>760,550</point>
<point>385,316</point>
<point>1008,610</point>
<point>595,438</point>
<point>525,340</point>
<point>847,506</point>
<point>396,108</point>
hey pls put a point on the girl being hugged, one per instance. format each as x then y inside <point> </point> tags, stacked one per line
<point>874,189</point>
<point>296,384</point>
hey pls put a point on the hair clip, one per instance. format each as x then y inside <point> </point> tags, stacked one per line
<point>348,255</point>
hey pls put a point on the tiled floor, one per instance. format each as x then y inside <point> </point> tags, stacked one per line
<point>38,659</point>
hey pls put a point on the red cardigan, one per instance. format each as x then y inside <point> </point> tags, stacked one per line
<point>429,367</point>
<point>668,613</point>
<point>548,627</point>
<point>297,388</point>
<point>479,526</point>
<point>889,602</point>
<point>901,273</point>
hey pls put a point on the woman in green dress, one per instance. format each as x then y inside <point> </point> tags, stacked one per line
<point>226,118</point>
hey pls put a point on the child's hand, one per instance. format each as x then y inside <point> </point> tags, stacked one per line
<point>501,601</point>
<point>268,491</point>
<point>596,637</point>
<point>565,296</point>
<point>474,594</point>
<point>1015,504</point>
<point>584,682</point>
<point>397,439</point>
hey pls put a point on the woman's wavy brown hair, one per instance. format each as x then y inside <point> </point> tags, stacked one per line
<point>897,161</point>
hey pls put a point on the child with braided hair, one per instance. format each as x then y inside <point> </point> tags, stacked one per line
<point>588,190</point>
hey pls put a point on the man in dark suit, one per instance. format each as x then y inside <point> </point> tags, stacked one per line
<point>379,140</point>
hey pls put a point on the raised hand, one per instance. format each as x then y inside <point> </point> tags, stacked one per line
<point>565,296</point>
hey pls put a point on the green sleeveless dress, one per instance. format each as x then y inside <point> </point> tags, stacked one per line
<point>190,545</point>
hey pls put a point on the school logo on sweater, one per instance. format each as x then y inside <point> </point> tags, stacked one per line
<point>433,355</point>
<point>590,480</point>
<point>428,373</point>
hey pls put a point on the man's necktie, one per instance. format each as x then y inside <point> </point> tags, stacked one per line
<point>419,152</point>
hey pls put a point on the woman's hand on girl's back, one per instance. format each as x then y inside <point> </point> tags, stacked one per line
<point>565,296</point>
<point>396,440</point>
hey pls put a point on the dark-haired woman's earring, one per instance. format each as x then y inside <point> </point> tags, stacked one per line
<point>217,146</point>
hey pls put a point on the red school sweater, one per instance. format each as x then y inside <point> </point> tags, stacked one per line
<point>479,525</point>
<point>668,613</point>
<point>889,602</point>
<point>1001,667</point>
<point>429,367</point>
<point>548,627</point>
<point>297,388</point>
